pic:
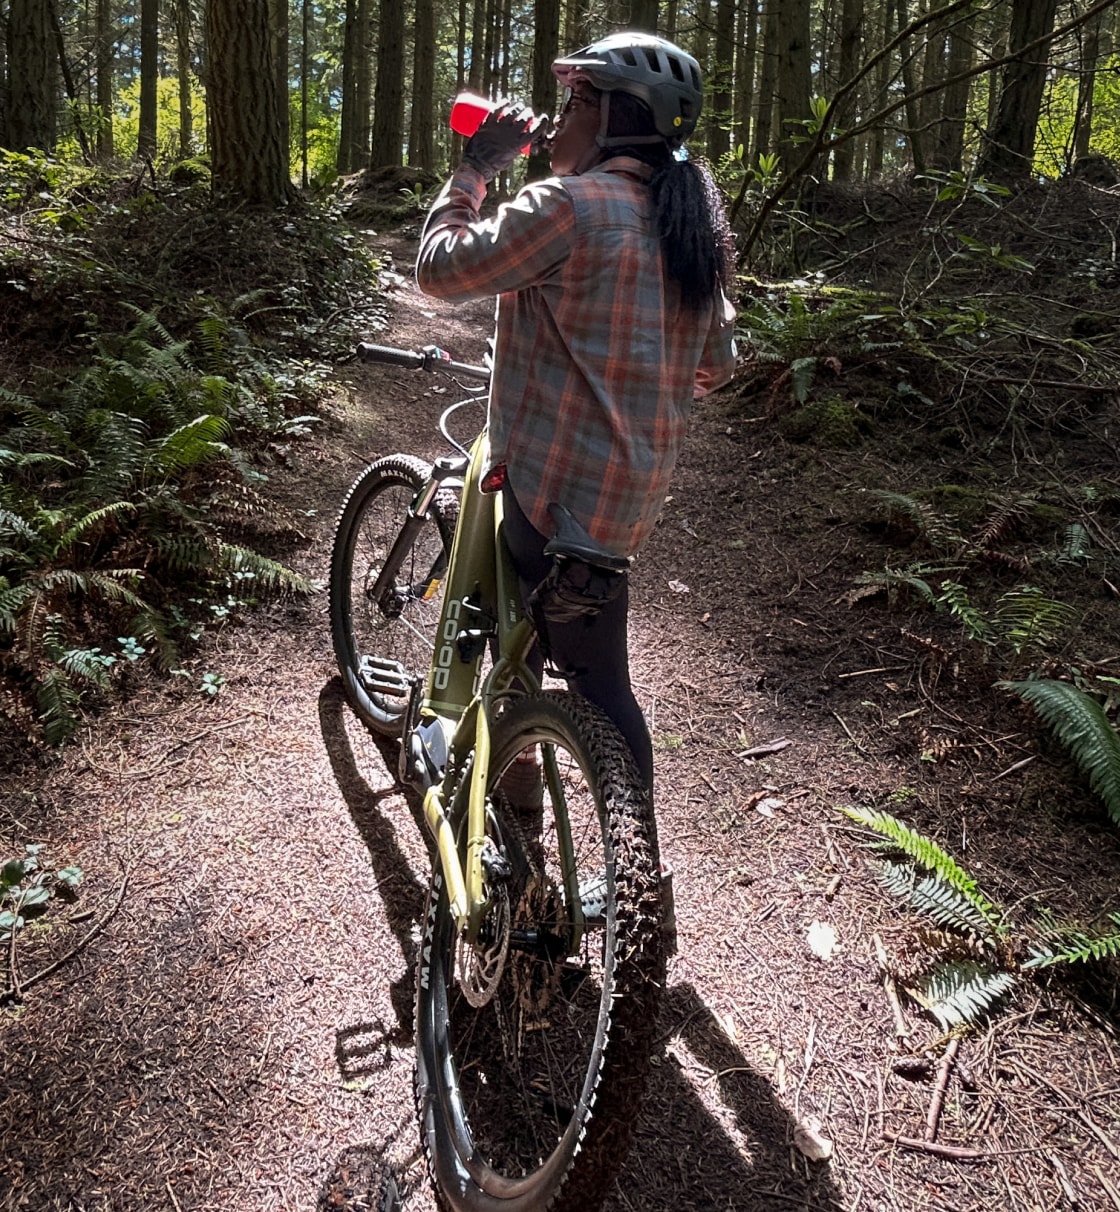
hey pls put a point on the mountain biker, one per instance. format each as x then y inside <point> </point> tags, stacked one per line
<point>611,317</point>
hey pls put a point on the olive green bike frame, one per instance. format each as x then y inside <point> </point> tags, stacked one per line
<point>481,607</point>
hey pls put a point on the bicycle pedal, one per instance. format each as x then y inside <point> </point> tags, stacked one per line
<point>381,675</point>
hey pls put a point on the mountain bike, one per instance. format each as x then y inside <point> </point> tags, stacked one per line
<point>541,958</point>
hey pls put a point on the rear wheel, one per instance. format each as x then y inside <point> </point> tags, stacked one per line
<point>384,637</point>
<point>531,1053</point>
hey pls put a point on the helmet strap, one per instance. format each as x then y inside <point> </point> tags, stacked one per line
<point>606,142</point>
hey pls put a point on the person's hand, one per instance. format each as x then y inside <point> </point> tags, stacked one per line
<point>502,137</point>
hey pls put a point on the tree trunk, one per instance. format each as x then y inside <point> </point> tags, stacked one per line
<point>877,137</point>
<point>745,63</point>
<point>794,82</point>
<point>149,78</point>
<point>388,97</point>
<point>764,124</point>
<point>421,135</point>
<point>344,161</point>
<point>643,16</point>
<point>247,160</point>
<point>851,26</point>
<point>546,48</point>
<point>103,58</point>
<point>910,89</point>
<point>478,44</point>
<point>280,38</point>
<point>1086,85</point>
<point>948,147</point>
<point>363,85</point>
<point>183,66</point>
<point>304,88</point>
<point>721,81</point>
<point>32,72</point>
<point>1008,151</point>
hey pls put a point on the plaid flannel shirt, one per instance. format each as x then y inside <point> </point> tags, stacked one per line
<point>596,363</point>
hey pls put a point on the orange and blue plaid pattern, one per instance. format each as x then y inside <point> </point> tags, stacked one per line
<point>596,363</point>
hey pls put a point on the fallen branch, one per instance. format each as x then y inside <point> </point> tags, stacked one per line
<point>901,1026</point>
<point>16,992</point>
<point>938,1100</point>
<point>952,1152</point>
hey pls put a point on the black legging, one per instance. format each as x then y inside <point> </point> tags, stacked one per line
<point>591,652</point>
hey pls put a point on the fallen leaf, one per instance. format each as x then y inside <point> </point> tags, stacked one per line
<point>822,940</point>
<point>678,587</point>
<point>810,1140</point>
<point>768,806</point>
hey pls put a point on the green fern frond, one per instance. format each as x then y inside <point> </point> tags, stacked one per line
<point>929,855</point>
<point>1026,617</point>
<point>932,896</point>
<point>1071,945</point>
<point>954,599</point>
<point>152,626</point>
<point>894,581</point>
<point>1082,727</point>
<point>1076,544</point>
<point>34,458</point>
<point>961,992</point>
<point>268,574</point>
<point>92,520</point>
<point>190,445</point>
<point>932,527</point>
<point>802,373</point>
<point>84,663</point>
<point>17,526</point>
<point>57,701</point>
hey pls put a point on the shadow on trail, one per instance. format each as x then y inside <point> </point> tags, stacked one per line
<point>687,1156</point>
<point>402,893</point>
<point>712,1134</point>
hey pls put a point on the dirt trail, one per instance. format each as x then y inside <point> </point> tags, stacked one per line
<point>237,1039</point>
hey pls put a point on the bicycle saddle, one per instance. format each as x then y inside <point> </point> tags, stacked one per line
<point>572,542</point>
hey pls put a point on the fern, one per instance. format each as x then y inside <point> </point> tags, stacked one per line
<point>1026,617</point>
<point>58,701</point>
<point>1076,544</point>
<point>962,991</point>
<point>928,854</point>
<point>1082,727</point>
<point>190,445</point>
<point>1073,945</point>
<point>938,900</point>
<point>268,573</point>
<point>954,598</point>
<point>931,526</point>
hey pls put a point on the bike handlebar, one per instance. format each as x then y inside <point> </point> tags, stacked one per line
<point>430,358</point>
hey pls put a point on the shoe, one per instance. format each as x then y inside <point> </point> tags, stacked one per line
<point>523,782</point>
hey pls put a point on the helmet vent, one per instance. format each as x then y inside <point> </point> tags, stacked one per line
<point>675,68</point>
<point>652,60</point>
<point>629,58</point>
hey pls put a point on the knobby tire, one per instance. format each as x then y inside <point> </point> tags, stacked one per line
<point>401,627</point>
<point>526,1103</point>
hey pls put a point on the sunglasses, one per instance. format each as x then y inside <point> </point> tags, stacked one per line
<point>570,100</point>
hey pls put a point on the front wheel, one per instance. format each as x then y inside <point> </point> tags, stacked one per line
<point>384,619</point>
<point>531,1053</point>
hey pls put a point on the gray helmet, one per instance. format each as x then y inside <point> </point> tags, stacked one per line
<point>662,75</point>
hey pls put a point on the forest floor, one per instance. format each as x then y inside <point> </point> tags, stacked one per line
<point>237,1036</point>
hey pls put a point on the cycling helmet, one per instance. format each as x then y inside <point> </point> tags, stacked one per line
<point>662,75</point>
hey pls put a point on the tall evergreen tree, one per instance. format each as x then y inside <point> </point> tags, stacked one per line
<point>31,119</point>
<point>247,159</point>
<point>388,94</point>
<point>1008,150</point>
